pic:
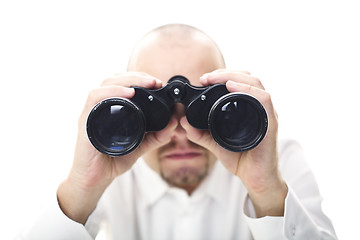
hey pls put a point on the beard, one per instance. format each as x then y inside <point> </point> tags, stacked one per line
<point>185,176</point>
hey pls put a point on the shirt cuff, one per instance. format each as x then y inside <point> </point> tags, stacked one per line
<point>267,227</point>
<point>295,224</point>
<point>54,224</point>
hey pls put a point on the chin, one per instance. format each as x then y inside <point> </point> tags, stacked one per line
<point>184,173</point>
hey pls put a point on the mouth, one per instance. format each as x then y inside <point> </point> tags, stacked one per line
<point>183,155</point>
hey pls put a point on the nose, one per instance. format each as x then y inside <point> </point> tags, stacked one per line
<point>179,112</point>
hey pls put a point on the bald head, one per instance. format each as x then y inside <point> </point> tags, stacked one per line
<point>176,49</point>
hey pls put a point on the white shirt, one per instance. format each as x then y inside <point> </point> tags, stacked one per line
<point>140,205</point>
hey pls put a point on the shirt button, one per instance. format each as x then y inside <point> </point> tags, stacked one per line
<point>292,229</point>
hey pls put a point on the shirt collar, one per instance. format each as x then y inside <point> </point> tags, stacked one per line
<point>217,183</point>
<point>151,186</point>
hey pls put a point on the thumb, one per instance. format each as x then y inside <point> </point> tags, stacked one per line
<point>153,140</point>
<point>200,137</point>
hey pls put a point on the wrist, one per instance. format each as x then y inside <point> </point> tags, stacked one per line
<point>271,200</point>
<point>77,202</point>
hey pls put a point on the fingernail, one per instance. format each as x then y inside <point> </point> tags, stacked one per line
<point>129,91</point>
<point>203,79</point>
<point>230,83</point>
<point>158,81</point>
<point>204,76</point>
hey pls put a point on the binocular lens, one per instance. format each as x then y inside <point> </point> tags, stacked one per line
<point>238,122</point>
<point>116,126</point>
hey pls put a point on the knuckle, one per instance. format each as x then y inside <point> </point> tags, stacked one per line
<point>91,95</point>
<point>258,83</point>
<point>257,80</point>
<point>248,88</point>
<point>267,97</point>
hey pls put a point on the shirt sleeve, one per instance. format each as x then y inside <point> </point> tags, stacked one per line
<point>54,224</point>
<point>303,217</point>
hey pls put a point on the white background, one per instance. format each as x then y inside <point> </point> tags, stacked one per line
<point>52,53</point>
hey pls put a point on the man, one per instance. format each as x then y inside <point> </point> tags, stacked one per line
<point>185,186</point>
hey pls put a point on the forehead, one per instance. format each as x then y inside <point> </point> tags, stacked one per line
<point>164,57</point>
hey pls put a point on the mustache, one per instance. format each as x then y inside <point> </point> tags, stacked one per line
<point>172,144</point>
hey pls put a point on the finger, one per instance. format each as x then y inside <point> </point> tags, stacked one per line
<point>132,79</point>
<point>221,76</point>
<point>99,94</point>
<point>227,70</point>
<point>237,76</point>
<point>260,94</point>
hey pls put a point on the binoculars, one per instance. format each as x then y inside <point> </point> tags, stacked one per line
<point>237,121</point>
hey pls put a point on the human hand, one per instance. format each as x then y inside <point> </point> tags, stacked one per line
<point>93,171</point>
<point>258,167</point>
